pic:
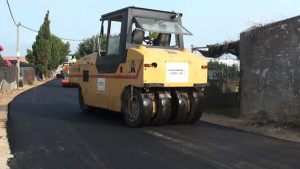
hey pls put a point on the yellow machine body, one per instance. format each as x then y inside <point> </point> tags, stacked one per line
<point>105,90</point>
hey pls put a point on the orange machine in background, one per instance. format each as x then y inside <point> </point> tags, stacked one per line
<point>65,74</point>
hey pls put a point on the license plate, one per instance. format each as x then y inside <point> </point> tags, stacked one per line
<point>177,72</point>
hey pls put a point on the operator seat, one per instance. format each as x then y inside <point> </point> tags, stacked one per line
<point>137,36</point>
<point>163,39</point>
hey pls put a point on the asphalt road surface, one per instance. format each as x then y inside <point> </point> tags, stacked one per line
<point>47,129</point>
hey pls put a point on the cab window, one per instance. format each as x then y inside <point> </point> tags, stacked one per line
<point>113,44</point>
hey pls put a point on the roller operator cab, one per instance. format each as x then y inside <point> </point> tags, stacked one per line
<point>144,71</point>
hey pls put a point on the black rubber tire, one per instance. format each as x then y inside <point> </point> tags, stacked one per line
<point>164,106</point>
<point>199,107</point>
<point>193,108</point>
<point>84,108</point>
<point>163,111</point>
<point>144,106</point>
<point>179,109</point>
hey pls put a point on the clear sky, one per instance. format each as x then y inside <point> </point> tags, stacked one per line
<point>210,21</point>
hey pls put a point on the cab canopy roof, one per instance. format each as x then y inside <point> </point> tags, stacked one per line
<point>141,11</point>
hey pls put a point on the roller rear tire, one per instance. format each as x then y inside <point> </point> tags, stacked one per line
<point>198,107</point>
<point>138,111</point>
<point>163,111</point>
<point>179,107</point>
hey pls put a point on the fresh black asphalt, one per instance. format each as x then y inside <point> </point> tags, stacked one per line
<point>47,129</point>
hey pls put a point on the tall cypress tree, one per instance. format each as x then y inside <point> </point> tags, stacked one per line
<point>59,51</point>
<point>54,59</point>
<point>48,50</point>
<point>42,46</point>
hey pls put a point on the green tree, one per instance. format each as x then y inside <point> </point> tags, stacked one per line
<point>86,46</point>
<point>48,51</point>
<point>214,65</point>
<point>55,52</point>
<point>30,57</point>
<point>1,59</point>
<point>234,68</point>
<point>59,50</point>
<point>41,48</point>
<point>65,51</point>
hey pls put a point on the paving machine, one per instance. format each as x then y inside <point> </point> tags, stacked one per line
<point>144,71</point>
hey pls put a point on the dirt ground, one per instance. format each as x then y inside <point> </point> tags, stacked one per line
<point>281,131</point>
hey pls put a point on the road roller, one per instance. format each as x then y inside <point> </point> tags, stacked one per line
<point>142,70</point>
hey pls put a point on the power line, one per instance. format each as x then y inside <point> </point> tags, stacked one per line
<point>11,14</point>
<point>59,37</point>
<point>29,28</point>
<point>71,39</point>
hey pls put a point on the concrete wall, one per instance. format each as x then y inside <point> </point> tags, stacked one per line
<point>8,80</point>
<point>28,75</point>
<point>270,71</point>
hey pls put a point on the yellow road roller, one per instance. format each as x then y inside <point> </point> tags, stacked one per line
<point>144,72</point>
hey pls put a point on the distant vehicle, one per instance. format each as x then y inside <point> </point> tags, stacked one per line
<point>59,75</point>
<point>145,72</point>
<point>65,75</point>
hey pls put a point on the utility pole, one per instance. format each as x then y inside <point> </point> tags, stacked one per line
<point>18,53</point>
<point>94,45</point>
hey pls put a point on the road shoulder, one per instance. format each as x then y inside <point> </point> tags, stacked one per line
<point>277,130</point>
